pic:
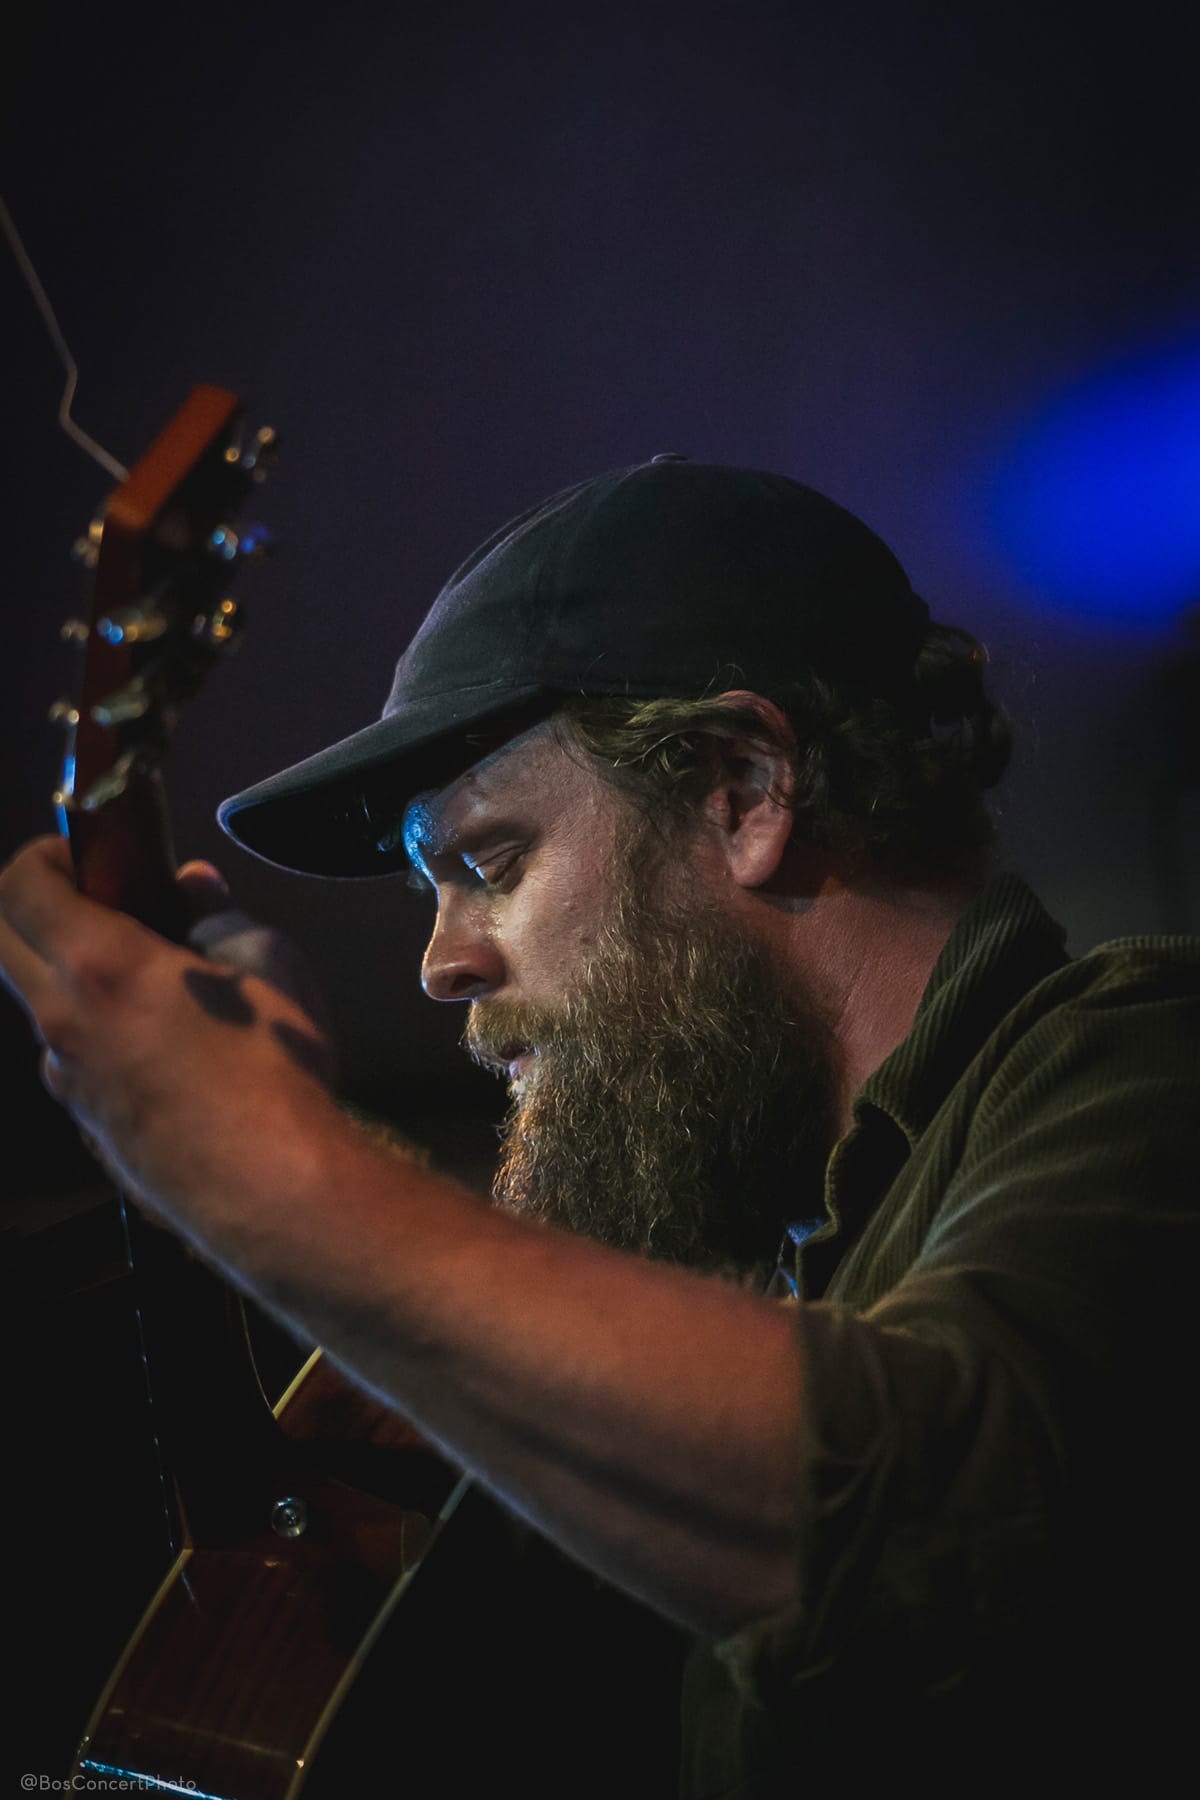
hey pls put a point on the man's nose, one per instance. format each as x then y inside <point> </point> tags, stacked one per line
<point>462,960</point>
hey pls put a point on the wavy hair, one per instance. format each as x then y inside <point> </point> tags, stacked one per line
<point>895,782</point>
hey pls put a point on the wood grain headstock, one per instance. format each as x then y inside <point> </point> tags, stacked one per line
<point>163,554</point>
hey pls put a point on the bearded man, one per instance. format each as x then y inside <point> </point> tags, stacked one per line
<point>698,788</point>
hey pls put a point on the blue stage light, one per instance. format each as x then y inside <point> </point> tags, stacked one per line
<point>1098,508</point>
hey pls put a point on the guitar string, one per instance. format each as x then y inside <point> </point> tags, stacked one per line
<point>75,432</point>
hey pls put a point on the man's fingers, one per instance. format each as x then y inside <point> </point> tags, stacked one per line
<point>41,874</point>
<point>24,972</point>
<point>54,849</point>
<point>204,889</point>
<point>36,877</point>
<point>54,1074</point>
<point>33,888</point>
<point>41,904</point>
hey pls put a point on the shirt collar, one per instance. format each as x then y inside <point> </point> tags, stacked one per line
<point>1003,944</point>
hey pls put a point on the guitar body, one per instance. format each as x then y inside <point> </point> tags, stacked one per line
<point>246,1652</point>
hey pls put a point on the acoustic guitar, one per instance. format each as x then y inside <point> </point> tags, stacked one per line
<point>284,1574</point>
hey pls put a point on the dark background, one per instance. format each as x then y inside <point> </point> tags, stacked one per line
<point>464,257</point>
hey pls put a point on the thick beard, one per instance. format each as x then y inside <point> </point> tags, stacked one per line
<point>680,1101</point>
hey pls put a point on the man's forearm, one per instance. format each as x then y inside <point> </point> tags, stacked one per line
<point>645,1418</point>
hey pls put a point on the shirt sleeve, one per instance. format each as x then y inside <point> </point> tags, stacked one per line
<point>979,1444</point>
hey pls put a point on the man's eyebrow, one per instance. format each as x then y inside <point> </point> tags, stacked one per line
<point>421,831</point>
<point>425,833</point>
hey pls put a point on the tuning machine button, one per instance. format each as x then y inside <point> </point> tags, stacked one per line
<point>86,549</point>
<point>257,457</point>
<point>255,541</point>
<point>219,628</point>
<point>264,448</point>
<point>125,703</point>
<point>110,785</point>
<point>73,631</point>
<point>64,712</point>
<point>137,625</point>
<point>250,542</point>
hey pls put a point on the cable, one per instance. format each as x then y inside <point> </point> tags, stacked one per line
<point>76,432</point>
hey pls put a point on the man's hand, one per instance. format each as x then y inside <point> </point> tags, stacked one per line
<point>176,1067</point>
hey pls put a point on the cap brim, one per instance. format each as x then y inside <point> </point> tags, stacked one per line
<point>336,813</point>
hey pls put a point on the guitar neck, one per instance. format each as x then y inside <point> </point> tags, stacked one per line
<point>218,1438</point>
<point>158,621</point>
<point>125,859</point>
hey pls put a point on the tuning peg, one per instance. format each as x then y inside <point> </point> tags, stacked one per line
<point>264,448</point>
<point>73,631</point>
<point>250,543</point>
<point>254,542</point>
<point>87,549</point>
<point>221,626</point>
<point>137,625</point>
<point>123,704</point>
<point>257,456</point>
<point>110,785</point>
<point>63,712</point>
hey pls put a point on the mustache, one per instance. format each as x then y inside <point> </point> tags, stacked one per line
<point>498,1031</point>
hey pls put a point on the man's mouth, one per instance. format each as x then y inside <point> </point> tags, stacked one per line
<point>506,1056</point>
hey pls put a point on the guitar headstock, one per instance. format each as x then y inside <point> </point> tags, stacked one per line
<point>162,555</point>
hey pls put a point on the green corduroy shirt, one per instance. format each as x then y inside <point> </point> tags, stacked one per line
<point>997,1537</point>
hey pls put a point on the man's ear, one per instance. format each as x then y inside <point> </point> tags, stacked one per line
<point>750,801</point>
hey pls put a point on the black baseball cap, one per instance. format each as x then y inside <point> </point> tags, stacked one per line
<point>671,578</point>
